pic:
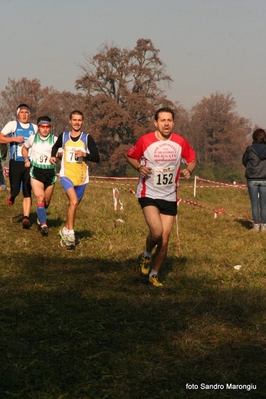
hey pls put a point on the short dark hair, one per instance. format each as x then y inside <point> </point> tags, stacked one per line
<point>44,118</point>
<point>259,136</point>
<point>76,112</point>
<point>164,109</point>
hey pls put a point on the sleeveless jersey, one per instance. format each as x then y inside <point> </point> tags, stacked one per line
<point>16,148</point>
<point>41,150</point>
<point>164,158</point>
<point>76,169</point>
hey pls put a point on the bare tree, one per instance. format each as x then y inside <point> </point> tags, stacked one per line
<point>123,90</point>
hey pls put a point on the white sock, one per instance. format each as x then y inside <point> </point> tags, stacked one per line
<point>147,254</point>
<point>65,231</point>
<point>152,273</point>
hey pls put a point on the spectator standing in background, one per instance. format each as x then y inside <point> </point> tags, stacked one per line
<point>254,160</point>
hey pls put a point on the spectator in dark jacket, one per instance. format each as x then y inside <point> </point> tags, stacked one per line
<point>254,159</point>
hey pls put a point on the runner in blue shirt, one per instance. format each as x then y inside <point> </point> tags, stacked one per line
<point>16,133</point>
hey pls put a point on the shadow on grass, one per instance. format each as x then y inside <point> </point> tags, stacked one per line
<point>53,222</point>
<point>85,328</point>
<point>84,234</point>
<point>245,223</point>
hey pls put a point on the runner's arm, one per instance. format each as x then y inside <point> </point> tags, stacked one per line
<point>93,156</point>
<point>58,144</point>
<point>14,139</point>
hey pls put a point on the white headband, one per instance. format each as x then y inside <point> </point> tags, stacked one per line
<point>19,109</point>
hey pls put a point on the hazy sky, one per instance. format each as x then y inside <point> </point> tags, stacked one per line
<point>207,46</point>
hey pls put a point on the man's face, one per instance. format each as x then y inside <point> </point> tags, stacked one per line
<point>165,123</point>
<point>44,130</point>
<point>23,115</point>
<point>76,122</point>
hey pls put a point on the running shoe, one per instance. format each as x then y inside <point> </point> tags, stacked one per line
<point>44,230</point>
<point>71,241</point>
<point>154,280</point>
<point>67,241</point>
<point>26,222</point>
<point>10,201</point>
<point>66,244</point>
<point>145,265</point>
<point>62,235</point>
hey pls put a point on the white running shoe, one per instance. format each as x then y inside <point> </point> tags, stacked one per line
<point>67,241</point>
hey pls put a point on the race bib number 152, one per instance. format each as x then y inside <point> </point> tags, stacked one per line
<point>164,177</point>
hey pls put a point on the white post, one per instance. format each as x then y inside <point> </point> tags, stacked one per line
<point>195,185</point>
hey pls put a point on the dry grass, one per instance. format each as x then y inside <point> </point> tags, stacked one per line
<point>84,325</point>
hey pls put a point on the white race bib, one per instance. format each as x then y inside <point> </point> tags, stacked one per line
<point>19,150</point>
<point>70,155</point>
<point>163,176</point>
<point>43,159</point>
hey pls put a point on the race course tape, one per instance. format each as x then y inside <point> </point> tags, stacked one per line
<point>117,198</point>
<point>108,180</point>
<point>113,178</point>
<point>216,211</point>
<point>219,184</point>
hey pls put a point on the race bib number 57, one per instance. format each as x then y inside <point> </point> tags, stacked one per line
<point>163,177</point>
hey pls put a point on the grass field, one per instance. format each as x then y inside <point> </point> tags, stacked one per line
<point>84,325</point>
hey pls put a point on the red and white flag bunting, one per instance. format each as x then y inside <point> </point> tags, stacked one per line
<point>117,201</point>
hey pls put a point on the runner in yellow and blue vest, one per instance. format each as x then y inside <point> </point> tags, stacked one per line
<point>77,149</point>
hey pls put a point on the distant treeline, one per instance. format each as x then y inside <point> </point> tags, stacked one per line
<point>119,92</point>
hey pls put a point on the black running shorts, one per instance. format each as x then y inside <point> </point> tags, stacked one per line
<point>46,176</point>
<point>164,207</point>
